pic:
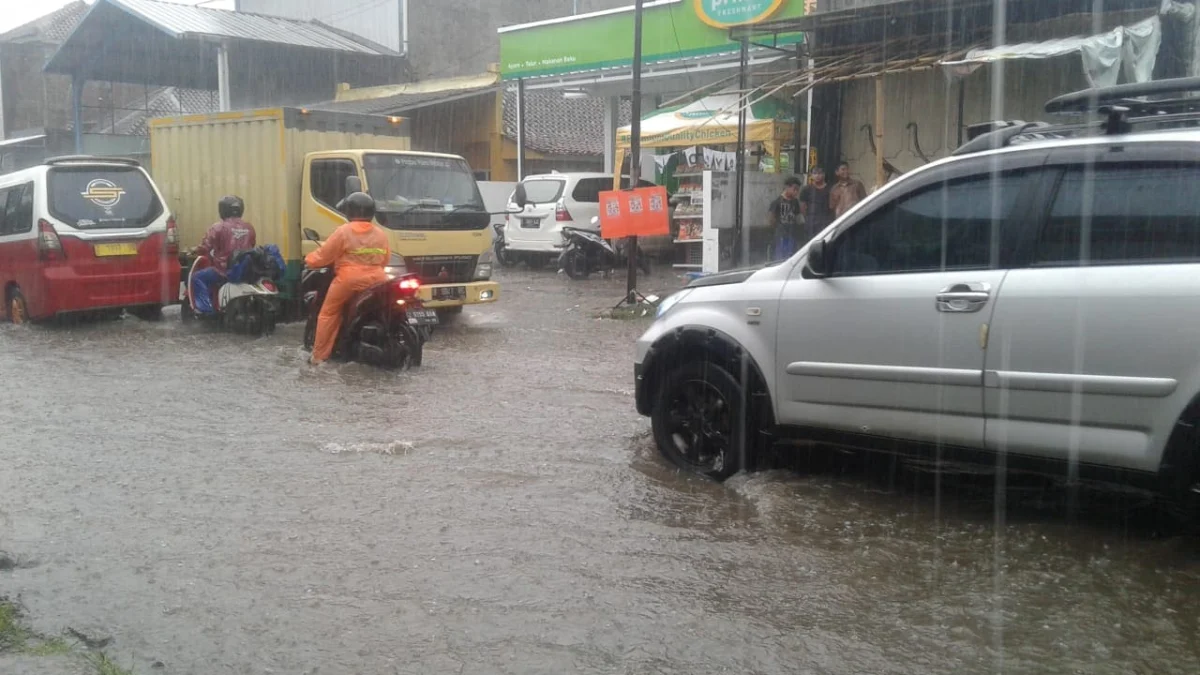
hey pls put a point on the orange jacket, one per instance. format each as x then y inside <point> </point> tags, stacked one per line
<point>355,245</point>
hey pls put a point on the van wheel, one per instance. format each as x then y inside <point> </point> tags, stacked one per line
<point>17,310</point>
<point>698,421</point>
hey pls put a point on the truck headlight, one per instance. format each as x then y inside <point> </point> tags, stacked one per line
<point>395,267</point>
<point>483,268</point>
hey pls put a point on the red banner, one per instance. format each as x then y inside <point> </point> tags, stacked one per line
<point>634,213</point>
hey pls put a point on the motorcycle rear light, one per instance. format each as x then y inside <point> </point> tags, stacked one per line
<point>172,237</point>
<point>407,286</point>
<point>561,214</point>
<point>49,246</point>
<point>270,286</point>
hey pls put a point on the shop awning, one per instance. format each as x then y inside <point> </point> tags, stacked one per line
<point>713,120</point>
<point>1132,50</point>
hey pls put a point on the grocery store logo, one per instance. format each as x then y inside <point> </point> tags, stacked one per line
<point>103,193</point>
<point>728,13</point>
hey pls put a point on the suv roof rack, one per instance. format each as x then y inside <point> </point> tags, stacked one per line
<point>1121,108</point>
<point>78,159</point>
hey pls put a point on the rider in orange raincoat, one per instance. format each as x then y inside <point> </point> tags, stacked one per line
<point>358,252</point>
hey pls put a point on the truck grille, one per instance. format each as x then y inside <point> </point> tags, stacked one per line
<point>443,269</point>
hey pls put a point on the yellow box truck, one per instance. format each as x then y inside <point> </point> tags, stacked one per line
<point>290,165</point>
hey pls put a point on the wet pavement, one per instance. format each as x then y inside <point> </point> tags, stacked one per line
<point>213,504</point>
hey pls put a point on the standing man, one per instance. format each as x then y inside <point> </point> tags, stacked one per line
<point>814,205</point>
<point>848,191</point>
<point>784,217</point>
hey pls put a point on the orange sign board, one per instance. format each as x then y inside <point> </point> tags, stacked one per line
<point>634,213</point>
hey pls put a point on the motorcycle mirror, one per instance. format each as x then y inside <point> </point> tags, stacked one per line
<point>311,235</point>
<point>353,184</point>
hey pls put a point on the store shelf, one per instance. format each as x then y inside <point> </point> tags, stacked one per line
<point>687,241</point>
<point>681,266</point>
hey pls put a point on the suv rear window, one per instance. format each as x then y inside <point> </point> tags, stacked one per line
<point>543,191</point>
<point>102,197</point>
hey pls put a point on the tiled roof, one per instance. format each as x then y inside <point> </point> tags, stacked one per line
<point>558,125</point>
<point>52,28</point>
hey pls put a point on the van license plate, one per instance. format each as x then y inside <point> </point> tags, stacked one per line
<point>531,223</point>
<point>449,292</point>
<point>422,317</point>
<point>113,250</point>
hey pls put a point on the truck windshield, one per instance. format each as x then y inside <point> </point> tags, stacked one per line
<point>437,191</point>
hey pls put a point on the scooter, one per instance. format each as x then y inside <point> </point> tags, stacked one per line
<point>585,252</point>
<point>244,307</point>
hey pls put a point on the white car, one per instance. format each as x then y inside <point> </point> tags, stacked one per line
<point>1034,305</point>
<point>555,200</point>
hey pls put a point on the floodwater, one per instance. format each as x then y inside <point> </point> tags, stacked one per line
<point>213,504</point>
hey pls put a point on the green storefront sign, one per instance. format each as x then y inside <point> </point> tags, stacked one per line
<point>728,13</point>
<point>670,30</point>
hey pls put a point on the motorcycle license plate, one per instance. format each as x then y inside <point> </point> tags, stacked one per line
<point>449,292</point>
<point>422,317</point>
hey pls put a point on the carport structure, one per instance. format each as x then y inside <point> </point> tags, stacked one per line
<point>250,59</point>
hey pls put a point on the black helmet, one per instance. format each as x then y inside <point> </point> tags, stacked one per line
<point>359,206</point>
<point>231,207</point>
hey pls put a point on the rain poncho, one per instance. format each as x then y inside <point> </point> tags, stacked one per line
<point>358,251</point>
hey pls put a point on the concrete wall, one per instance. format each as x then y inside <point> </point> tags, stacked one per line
<point>927,98</point>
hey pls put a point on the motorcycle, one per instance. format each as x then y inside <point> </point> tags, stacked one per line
<point>500,247</point>
<point>248,303</point>
<point>585,252</point>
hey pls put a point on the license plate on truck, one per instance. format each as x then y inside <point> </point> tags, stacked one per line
<point>422,317</point>
<point>114,250</point>
<point>449,292</point>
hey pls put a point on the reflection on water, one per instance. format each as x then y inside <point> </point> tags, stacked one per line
<point>213,503</point>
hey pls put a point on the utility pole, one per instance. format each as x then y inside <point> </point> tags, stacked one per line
<point>635,148</point>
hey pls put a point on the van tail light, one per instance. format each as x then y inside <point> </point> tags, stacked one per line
<point>561,214</point>
<point>49,246</point>
<point>172,237</point>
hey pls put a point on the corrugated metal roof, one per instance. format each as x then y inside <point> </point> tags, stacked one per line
<point>187,21</point>
<point>397,104</point>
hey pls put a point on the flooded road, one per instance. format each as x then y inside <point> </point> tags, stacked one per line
<point>215,505</point>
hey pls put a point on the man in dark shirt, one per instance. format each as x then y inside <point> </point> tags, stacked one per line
<point>784,217</point>
<point>814,205</point>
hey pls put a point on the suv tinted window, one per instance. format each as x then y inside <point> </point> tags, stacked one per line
<point>948,226</point>
<point>329,180</point>
<point>589,189</point>
<point>1140,213</point>
<point>98,197</point>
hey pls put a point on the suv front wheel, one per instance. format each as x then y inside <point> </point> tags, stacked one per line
<point>698,420</point>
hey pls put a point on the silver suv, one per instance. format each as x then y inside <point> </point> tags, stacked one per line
<point>1039,300</point>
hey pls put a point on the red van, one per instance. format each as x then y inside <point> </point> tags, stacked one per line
<point>82,234</point>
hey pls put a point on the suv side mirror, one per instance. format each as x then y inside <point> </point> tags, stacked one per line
<point>311,235</point>
<point>817,263</point>
<point>353,184</point>
<point>520,198</point>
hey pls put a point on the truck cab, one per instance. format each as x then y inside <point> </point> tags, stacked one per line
<point>431,208</point>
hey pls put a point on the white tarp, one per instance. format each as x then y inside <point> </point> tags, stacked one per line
<point>1132,50</point>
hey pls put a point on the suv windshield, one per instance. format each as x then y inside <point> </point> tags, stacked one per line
<point>411,182</point>
<point>543,190</point>
<point>96,197</point>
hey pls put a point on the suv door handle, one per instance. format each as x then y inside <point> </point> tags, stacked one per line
<point>964,298</point>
